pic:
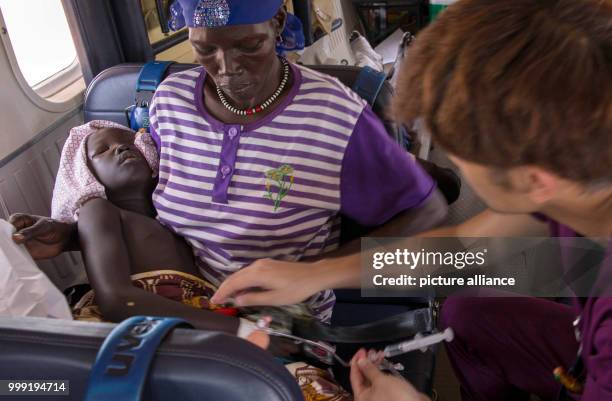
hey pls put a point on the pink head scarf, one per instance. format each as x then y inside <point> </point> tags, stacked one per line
<point>75,183</point>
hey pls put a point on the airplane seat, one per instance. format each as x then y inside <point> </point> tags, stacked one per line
<point>189,365</point>
<point>113,90</point>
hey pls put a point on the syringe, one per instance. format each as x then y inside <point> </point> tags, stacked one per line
<point>418,343</point>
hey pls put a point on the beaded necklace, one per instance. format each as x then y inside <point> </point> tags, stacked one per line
<point>264,105</point>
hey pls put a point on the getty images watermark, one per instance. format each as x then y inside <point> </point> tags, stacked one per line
<point>544,267</point>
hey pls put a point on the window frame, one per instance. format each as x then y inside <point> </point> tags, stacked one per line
<point>60,80</point>
<point>41,93</point>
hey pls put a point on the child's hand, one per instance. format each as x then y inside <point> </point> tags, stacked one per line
<point>280,347</point>
<point>259,338</point>
<point>43,237</point>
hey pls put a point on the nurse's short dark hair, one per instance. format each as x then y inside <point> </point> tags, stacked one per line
<point>505,83</point>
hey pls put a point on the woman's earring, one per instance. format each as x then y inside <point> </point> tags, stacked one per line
<point>279,39</point>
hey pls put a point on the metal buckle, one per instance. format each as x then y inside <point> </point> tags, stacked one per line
<point>143,98</point>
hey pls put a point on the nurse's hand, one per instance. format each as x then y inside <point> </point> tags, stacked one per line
<point>43,237</point>
<point>370,384</point>
<point>269,282</point>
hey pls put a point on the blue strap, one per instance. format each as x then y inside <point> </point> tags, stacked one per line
<point>369,83</point>
<point>151,75</point>
<point>121,366</point>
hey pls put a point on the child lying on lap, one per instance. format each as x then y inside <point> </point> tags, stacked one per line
<point>130,258</point>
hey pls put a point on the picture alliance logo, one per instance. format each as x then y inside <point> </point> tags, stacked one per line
<point>477,280</point>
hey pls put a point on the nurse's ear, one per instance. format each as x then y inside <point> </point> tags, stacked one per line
<point>279,20</point>
<point>540,185</point>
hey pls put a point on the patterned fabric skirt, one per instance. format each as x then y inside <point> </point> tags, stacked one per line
<point>171,284</point>
<point>316,384</point>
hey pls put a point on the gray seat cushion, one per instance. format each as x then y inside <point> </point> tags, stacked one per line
<point>189,365</point>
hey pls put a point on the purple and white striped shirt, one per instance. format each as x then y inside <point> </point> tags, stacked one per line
<point>275,188</point>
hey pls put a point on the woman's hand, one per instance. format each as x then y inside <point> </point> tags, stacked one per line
<point>270,282</point>
<point>370,384</point>
<point>43,237</point>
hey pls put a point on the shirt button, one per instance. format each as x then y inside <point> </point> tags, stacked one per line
<point>232,132</point>
<point>225,170</point>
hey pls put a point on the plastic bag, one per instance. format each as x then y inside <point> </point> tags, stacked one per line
<point>365,55</point>
<point>24,289</point>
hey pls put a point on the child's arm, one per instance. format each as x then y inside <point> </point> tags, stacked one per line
<point>108,268</point>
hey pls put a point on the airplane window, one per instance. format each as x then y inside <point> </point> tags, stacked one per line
<point>40,38</point>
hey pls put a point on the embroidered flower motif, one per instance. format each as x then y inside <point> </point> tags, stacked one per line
<point>286,169</point>
<point>277,178</point>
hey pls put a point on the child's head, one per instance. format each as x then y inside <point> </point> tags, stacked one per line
<point>101,158</point>
<point>116,162</point>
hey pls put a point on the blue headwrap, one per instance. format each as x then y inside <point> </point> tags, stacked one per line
<point>216,13</point>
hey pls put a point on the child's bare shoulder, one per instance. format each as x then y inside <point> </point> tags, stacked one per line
<point>97,209</point>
